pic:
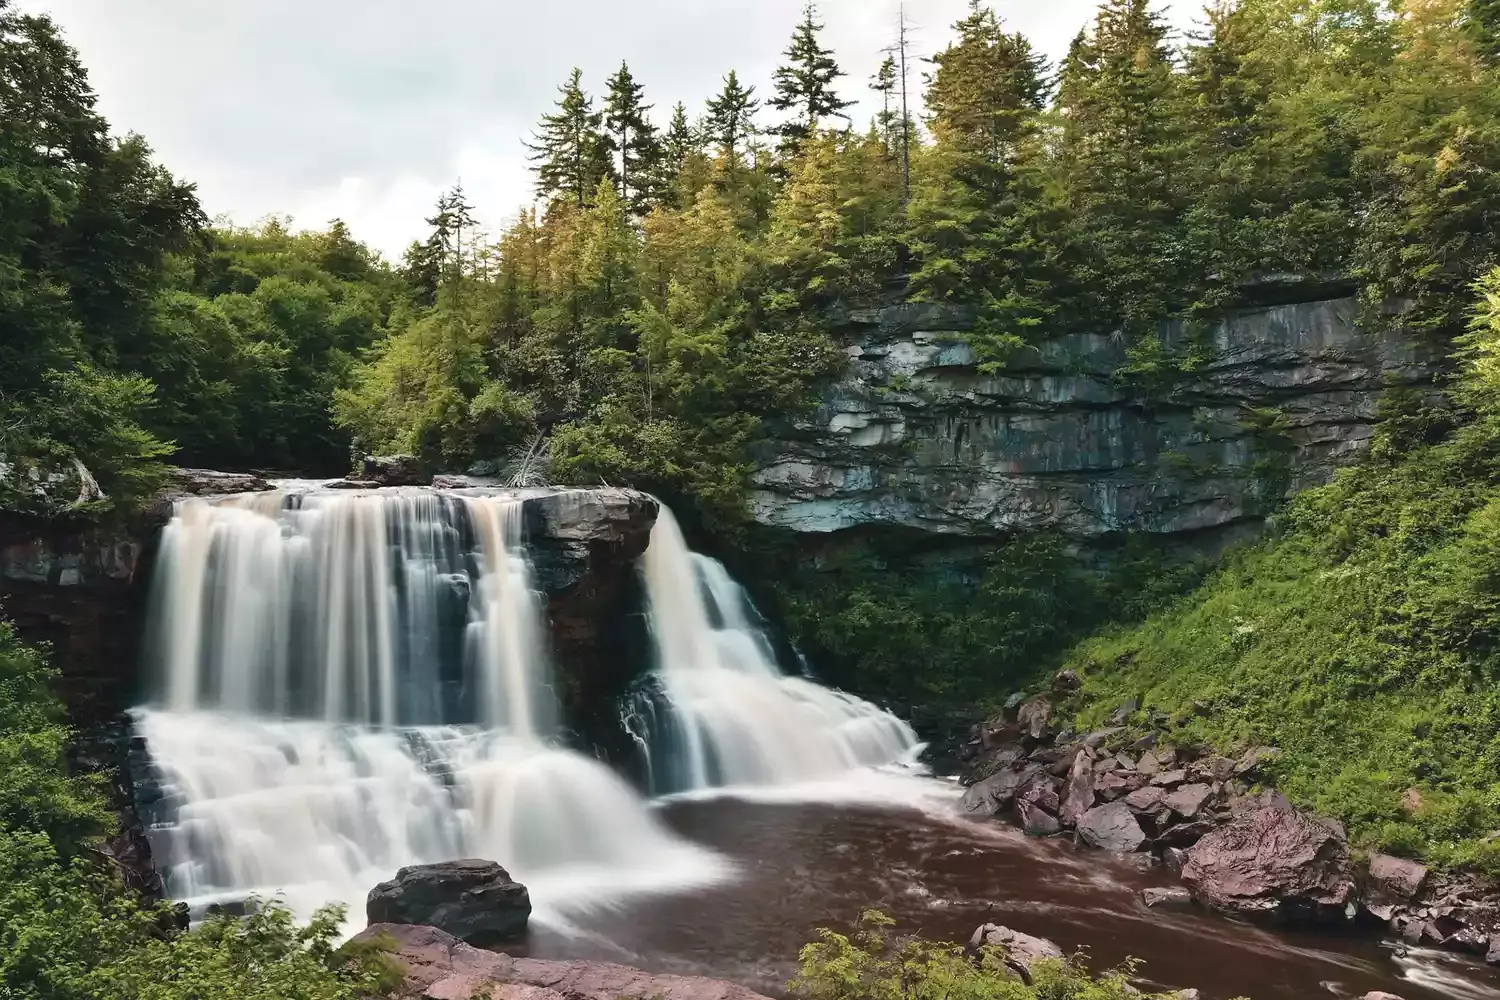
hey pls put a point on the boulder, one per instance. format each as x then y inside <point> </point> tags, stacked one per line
<point>1126,709</point>
<point>1117,784</point>
<point>1174,897</point>
<point>1112,827</point>
<point>1099,737</point>
<point>391,470</point>
<point>450,482</point>
<point>1078,793</point>
<point>476,901</point>
<point>1188,800</point>
<point>1041,791</point>
<point>1272,860</point>
<point>1034,717</point>
<point>1065,681</point>
<point>1147,799</point>
<point>438,966</point>
<point>207,483</point>
<point>1392,882</point>
<point>996,793</point>
<point>1170,779</point>
<point>1149,764</point>
<point>1019,951</point>
<point>1187,834</point>
<point>1036,821</point>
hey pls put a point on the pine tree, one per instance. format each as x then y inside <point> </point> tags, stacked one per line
<point>1483,22</point>
<point>632,142</point>
<point>884,84</point>
<point>570,152</point>
<point>1120,162</point>
<point>805,85</point>
<point>730,121</point>
<point>987,90</point>
<point>681,140</point>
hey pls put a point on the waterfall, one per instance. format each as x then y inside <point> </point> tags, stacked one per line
<point>718,710</point>
<point>348,683</point>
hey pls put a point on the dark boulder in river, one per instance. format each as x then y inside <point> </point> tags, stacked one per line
<point>1273,860</point>
<point>476,901</point>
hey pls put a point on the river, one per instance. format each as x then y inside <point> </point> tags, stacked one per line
<point>805,865</point>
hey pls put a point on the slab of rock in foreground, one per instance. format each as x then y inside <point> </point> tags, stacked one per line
<point>1272,860</point>
<point>1021,951</point>
<point>438,966</point>
<point>476,901</point>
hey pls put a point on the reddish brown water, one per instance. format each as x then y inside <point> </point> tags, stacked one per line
<point>804,866</point>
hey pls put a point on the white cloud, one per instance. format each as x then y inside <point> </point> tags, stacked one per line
<point>367,109</point>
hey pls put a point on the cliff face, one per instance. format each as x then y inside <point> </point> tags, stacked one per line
<point>915,435</point>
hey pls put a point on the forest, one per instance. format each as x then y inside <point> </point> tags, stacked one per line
<point>667,301</point>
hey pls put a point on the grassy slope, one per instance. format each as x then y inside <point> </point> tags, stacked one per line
<point>1362,640</point>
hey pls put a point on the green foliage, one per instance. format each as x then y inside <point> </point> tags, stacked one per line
<point>1363,640</point>
<point>942,632</point>
<point>872,964</point>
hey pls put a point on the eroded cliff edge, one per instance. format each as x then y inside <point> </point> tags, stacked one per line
<point>916,435</point>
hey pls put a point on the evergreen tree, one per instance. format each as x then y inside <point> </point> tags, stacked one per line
<point>804,86</point>
<point>884,84</point>
<point>730,122</point>
<point>1483,21</point>
<point>632,141</point>
<point>1121,161</point>
<point>570,151</point>
<point>987,90</point>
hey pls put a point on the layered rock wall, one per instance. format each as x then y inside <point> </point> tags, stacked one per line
<point>917,435</point>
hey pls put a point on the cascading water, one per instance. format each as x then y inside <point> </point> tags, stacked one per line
<point>354,682</point>
<point>718,711</point>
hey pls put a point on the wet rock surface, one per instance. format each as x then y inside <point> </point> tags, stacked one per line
<point>475,901</point>
<point>439,966</point>
<point>1192,812</point>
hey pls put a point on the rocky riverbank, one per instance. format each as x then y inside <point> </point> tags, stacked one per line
<point>1238,848</point>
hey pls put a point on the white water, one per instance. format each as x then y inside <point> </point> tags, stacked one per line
<point>351,683</point>
<point>723,714</point>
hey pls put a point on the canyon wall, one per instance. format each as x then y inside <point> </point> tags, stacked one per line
<point>916,435</point>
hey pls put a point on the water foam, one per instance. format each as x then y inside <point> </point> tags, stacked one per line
<point>719,712</point>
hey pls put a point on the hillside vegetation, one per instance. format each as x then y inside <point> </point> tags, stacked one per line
<point>1363,639</point>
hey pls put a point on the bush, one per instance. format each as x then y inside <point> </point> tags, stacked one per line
<point>875,965</point>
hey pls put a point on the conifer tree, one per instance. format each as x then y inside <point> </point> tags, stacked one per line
<point>884,84</point>
<point>804,86</point>
<point>632,141</point>
<point>570,152</point>
<point>730,122</point>
<point>1483,22</point>
<point>680,141</point>
<point>988,89</point>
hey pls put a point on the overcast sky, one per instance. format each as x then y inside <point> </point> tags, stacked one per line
<point>367,109</point>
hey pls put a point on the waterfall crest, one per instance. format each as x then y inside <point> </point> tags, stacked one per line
<point>719,712</point>
<point>349,683</point>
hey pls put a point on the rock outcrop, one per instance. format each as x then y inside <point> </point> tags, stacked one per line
<point>1125,789</point>
<point>439,966</point>
<point>1271,859</point>
<point>475,901</point>
<point>1020,952</point>
<point>916,435</point>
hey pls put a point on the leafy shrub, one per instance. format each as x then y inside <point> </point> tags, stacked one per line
<point>872,964</point>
